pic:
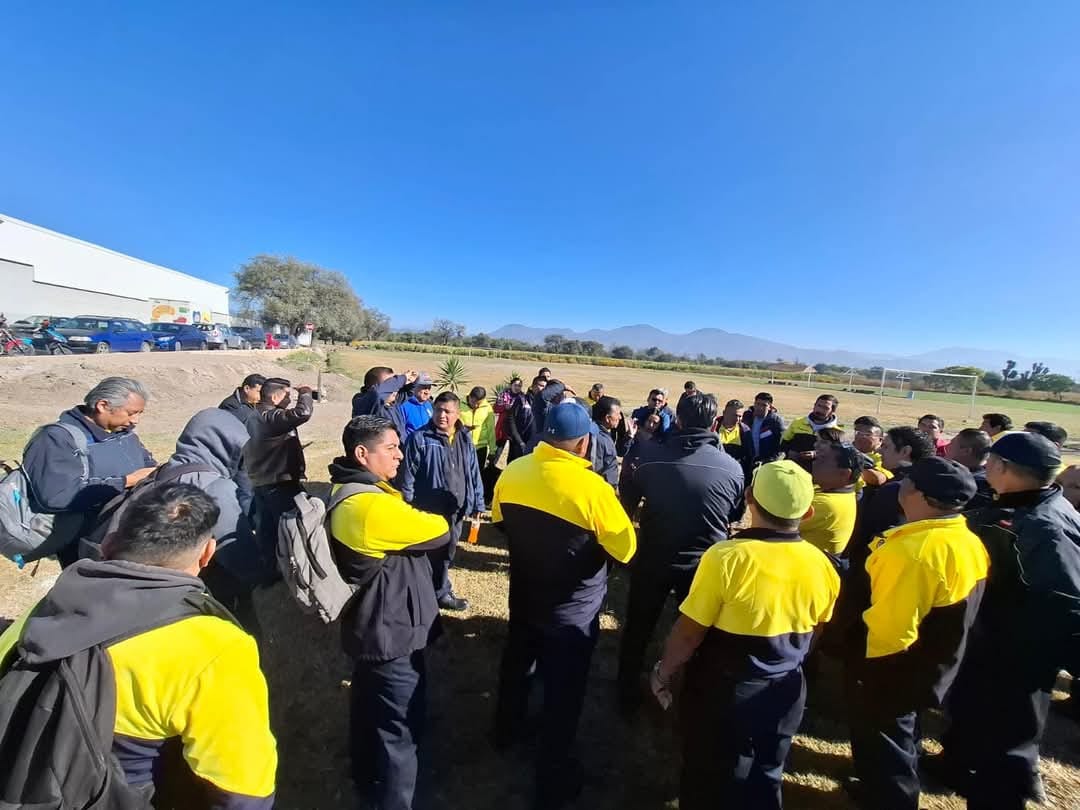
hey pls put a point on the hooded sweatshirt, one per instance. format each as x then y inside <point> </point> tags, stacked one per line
<point>191,701</point>
<point>215,438</point>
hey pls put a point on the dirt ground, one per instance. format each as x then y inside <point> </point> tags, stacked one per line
<point>631,765</point>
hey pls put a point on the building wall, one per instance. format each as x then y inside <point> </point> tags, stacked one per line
<point>47,273</point>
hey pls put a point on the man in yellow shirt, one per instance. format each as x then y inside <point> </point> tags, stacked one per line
<point>190,724</point>
<point>924,580</point>
<point>801,435</point>
<point>868,438</point>
<point>836,469</point>
<point>565,525</point>
<point>380,544</point>
<point>745,629</point>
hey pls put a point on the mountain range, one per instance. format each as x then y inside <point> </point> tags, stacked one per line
<point>734,346</point>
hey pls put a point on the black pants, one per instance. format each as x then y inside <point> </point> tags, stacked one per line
<point>269,503</point>
<point>560,656</point>
<point>736,736</point>
<point>883,748</point>
<point>441,559</point>
<point>387,712</point>
<point>996,722</point>
<point>649,589</point>
<point>234,594</point>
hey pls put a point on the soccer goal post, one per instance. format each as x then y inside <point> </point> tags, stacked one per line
<point>929,386</point>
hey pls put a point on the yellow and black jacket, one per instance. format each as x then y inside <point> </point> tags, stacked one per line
<point>191,702</point>
<point>926,583</point>
<point>380,544</point>
<point>564,523</point>
<point>761,594</point>
<point>801,435</point>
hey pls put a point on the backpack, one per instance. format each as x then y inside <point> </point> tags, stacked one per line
<point>26,535</point>
<point>304,556</point>
<point>57,722</point>
<point>108,518</point>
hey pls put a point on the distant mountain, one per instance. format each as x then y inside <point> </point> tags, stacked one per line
<point>734,346</point>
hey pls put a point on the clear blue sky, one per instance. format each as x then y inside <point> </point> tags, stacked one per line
<point>827,174</point>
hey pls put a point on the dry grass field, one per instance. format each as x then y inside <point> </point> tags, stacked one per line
<point>631,766</point>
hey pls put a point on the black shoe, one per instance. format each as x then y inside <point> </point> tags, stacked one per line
<point>451,602</point>
<point>946,773</point>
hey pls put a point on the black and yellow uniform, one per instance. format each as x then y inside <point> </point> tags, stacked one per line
<point>564,525</point>
<point>761,594</point>
<point>879,465</point>
<point>833,522</point>
<point>192,720</point>
<point>381,544</point>
<point>801,436</point>
<point>1025,634</point>
<point>926,581</point>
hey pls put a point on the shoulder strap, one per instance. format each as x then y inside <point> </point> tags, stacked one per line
<point>78,437</point>
<point>347,491</point>
<point>172,473</point>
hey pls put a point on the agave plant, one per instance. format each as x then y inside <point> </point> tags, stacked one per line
<point>452,374</point>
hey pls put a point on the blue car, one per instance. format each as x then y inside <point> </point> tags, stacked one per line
<point>175,337</point>
<point>100,333</point>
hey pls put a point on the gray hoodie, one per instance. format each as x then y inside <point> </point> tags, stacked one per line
<point>216,438</point>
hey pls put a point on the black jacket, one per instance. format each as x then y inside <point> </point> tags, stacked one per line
<point>394,611</point>
<point>693,492</point>
<point>1030,616</point>
<point>372,401</point>
<point>769,437</point>
<point>234,403</point>
<point>274,455</point>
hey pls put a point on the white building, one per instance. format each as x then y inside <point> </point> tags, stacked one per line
<point>47,273</point>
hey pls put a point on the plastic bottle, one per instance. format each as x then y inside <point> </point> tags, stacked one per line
<point>474,531</point>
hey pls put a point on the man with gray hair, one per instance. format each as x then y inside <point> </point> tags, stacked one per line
<point>91,453</point>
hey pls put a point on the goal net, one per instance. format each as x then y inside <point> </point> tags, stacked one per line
<point>929,387</point>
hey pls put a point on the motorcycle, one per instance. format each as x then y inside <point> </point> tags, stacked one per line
<point>55,343</point>
<point>13,344</point>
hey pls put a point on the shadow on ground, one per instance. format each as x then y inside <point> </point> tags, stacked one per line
<point>630,765</point>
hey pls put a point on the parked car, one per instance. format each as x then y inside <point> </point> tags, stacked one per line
<point>175,337</point>
<point>100,333</point>
<point>31,322</point>
<point>231,339</point>
<point>281,341</point>
<point>252,336</point>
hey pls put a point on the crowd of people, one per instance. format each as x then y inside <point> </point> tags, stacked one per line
<point>941,573</point>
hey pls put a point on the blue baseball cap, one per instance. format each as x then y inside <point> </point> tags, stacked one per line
<point>566,421</point>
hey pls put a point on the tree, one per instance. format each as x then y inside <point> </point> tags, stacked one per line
<point>446,331</point>
<point>1009,373</point>
<point>592,348</point>
<point>992,379</point>
<point>953,383</point>
<point>554,343</point>
<point>1054,383</point>
<point>622,352</point>
<point>290,292</point>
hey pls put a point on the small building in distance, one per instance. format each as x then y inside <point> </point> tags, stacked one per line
<point>43,272</point>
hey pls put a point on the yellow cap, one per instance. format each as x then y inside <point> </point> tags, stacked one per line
<point>783,489</point>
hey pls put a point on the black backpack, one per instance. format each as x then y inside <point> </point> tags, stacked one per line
<point>108,517</point>
<point>56,727</point>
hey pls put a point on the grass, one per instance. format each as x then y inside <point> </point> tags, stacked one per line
<point>631,385</point>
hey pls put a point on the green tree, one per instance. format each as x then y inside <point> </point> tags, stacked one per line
<point>445,331</point>
<point>1054,383</point>
<point>622,352</point>
<point>993,379</point>
<point>287,291</point>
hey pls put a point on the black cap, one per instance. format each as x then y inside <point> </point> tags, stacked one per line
<point>278,381</point>
<point>1028,450</point>
<point>251,380</point>
<point>943,479</point>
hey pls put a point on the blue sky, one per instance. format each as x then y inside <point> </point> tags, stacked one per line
<point>826,174</point>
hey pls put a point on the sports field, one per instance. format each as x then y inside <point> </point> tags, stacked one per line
<point>631,765</point>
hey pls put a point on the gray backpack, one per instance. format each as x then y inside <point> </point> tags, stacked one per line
<point>26,535</point>
<point>304,556</point>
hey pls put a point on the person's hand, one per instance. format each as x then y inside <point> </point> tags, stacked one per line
<point>660,687</point>
<point>304,389</point>
<point>132,479</point>
<point>410,375</point>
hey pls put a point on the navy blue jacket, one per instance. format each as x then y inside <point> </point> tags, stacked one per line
<point>372,401</point>
<point>602,456</point>
<point>542,401</point>
<point>772,430</point>
<point>693,492</point>
<point>439,476</point>
<point>55,472</point>
<point>667,418</point>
